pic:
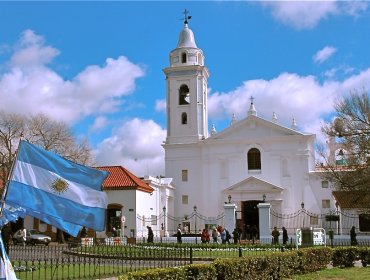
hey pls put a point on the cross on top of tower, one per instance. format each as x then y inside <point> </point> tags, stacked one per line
<point>186,17</point>
<point>252,98</point>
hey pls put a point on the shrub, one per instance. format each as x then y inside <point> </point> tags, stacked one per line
<point>345,256</point>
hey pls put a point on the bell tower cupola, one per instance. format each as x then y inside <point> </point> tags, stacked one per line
<point>186,90</point>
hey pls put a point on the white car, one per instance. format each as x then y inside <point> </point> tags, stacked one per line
<point>33,237</point>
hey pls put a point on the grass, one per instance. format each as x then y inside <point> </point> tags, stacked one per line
<point>353,273</point>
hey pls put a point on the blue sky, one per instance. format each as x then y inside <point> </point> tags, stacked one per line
<point>98,65</point>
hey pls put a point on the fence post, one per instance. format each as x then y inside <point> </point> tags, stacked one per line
<point>191,255</point>
<point>240,252</point>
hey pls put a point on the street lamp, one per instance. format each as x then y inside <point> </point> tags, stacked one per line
<point>336,206</point>
<point>264,197</point>
<point>229,198</point>
<point>302,206</point>
<point>195,223</point>
<point>164,220</point>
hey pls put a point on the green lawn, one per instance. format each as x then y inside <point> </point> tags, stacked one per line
<point>354,273</point>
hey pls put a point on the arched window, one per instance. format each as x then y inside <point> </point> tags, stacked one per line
<point>184,97</point>
<point>254,159</point>
<point>184,118</point>
<point>183,57</point>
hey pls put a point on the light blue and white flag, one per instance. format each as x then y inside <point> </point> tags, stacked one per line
<point>11,214</point>
<point>57,191</point>
<point>6,268</point>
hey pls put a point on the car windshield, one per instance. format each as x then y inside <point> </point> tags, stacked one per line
<point>34,231</point>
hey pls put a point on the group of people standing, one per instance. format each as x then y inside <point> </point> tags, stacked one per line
<point>275,236</point>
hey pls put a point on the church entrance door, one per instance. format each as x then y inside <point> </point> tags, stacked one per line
<point>250,214</point>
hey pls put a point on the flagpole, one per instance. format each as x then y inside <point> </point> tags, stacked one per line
<point>10,175</point>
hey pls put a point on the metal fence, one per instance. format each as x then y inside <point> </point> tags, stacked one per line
<point>73,261</point>
<point>99,261</point>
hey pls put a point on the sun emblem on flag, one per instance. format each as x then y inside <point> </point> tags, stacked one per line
<point>59,186</point>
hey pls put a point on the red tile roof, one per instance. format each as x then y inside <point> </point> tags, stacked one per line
<point>120,178</point>
<point>352,199</point>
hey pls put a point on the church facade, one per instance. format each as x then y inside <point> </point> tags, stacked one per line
<point>253,160</point>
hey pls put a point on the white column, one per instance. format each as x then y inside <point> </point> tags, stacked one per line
<point>230,209</point>
<point>264,221</point>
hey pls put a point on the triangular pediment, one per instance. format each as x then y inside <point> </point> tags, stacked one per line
<point>254,127</point>
<point>254,185</point>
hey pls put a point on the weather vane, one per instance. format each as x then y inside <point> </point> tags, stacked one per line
<point>186,17</point>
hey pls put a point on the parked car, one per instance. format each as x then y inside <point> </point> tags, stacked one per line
<point>33,237</point>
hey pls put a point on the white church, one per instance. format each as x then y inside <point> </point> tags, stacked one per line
<point>254,160</point>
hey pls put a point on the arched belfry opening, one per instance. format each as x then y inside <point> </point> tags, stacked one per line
<point>184,118</point>
<point>184,96</point>
<point>183,57</point>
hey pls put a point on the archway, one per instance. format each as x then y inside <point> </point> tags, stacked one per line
<point>250,215</point>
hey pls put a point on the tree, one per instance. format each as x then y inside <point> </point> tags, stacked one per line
<point>44,132</point>
<point>351,130</point>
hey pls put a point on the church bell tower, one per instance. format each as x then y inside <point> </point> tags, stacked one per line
<point>186,91</point>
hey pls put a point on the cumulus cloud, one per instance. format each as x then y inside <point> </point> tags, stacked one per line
<point>136,144</point>
<point>28,80</point>
<point>324,54</point>
<point>307,14</point>
<point>289,95</point>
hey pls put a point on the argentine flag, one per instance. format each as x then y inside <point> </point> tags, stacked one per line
<point>57,191</point>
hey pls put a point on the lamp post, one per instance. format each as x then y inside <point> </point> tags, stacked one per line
<point>164,220</point>
<point>229,198</point>
<point>302,206</point>
<point>336,206</point>
<point>195,223</point>
<point>264,198</point>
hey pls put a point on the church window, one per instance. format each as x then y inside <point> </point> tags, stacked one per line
<point>184,175</point>
<point>184,118</point>
<point>326,203</point>
<point>254,159</point>
<point>184,96</point>
<point>183,57</point>
<point>324,184</point>
<point>185,199</point>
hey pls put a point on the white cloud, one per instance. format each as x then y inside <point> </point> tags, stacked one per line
<point>136,145</point>
<point>99,123</point>
<point>324,54</point>
<point>307,14</point>
<point>160,105</point>
<point>31,51</point>
<point>289,95</point>
<point>96,89</point>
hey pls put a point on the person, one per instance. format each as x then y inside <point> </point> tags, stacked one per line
<point>179,234</point>
<point>275,235</point>
<point>285,236</point>
<point>228,236</point>
<point>150,234</point>
<point>223,236</point>
<point>215,235</point>
<point>83,232</point>
<point>254,233</point>
<point>248,233</point>
<point>353,234</point>
<point>205,236</point>
<point>236,235</point>
<point>24,236</point>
